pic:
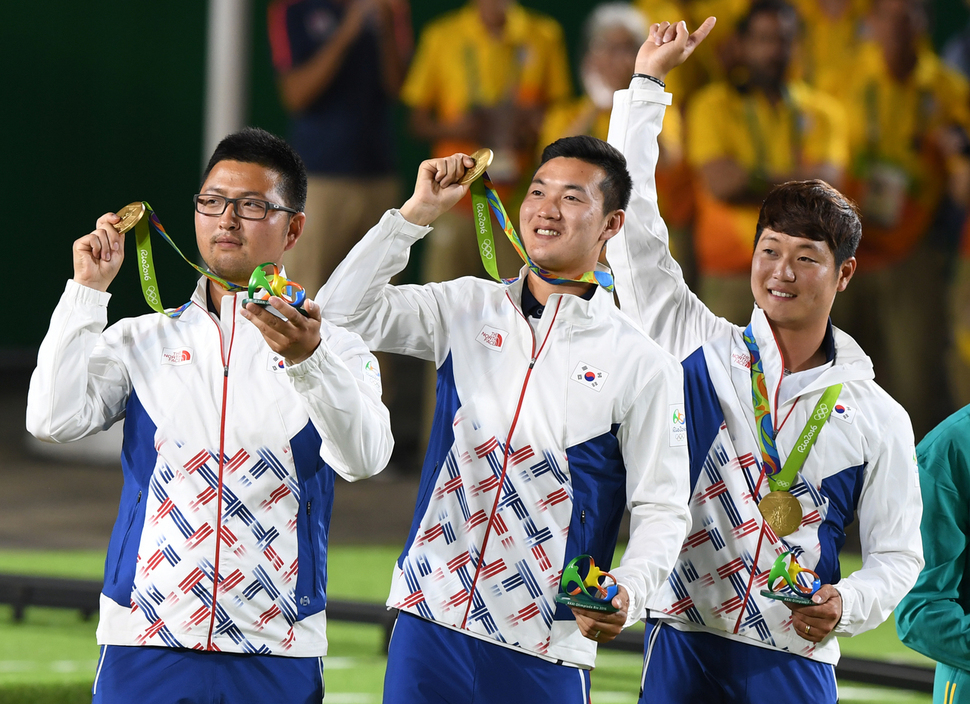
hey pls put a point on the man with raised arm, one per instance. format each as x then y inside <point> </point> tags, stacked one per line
<point>235,420</point>
<point>769,475</point>
<point>553,411</point>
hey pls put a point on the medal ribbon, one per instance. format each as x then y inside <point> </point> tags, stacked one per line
<point>780,478</point>
<point>146,265</point>
<point>484,198</point>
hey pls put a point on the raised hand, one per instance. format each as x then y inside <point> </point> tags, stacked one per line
<point>98,255</point>
<point>437,188</point>
<point>668,46</point>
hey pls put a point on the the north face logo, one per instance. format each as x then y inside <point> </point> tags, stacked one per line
<point>740,359</point>
<point>176,357</point>
<point>492,338</point>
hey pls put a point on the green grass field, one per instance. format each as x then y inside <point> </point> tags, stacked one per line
<point>50,657</point>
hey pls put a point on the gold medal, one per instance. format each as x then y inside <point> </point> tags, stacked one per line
<point>782,512</point>
<point>483,158</point>
<point>130,215</point>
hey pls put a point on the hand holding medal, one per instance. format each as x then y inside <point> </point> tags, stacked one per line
<point>98,255</point>
<point>133,216</point>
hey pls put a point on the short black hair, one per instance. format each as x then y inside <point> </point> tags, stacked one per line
<point>617,185</point>
<point>773,7</point>
<point>253,145</point>
<point>814,210</point>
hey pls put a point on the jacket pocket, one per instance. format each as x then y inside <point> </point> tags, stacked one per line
<point>124,541</point>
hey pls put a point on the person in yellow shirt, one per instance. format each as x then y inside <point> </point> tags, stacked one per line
<point>907,113</point>
<point>483,75</point>
<point>745,138</point>
<point>613,33</point>
<point>832,31</point>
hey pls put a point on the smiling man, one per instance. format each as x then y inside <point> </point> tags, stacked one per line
<point>553,411</point>
<point>235,422</point>
<point>791,439</point>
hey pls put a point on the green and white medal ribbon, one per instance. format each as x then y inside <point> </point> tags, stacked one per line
<point>781,510</point>
<point>146,264</point>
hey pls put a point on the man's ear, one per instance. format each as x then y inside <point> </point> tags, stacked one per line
<point>294,230</point>
<point>614,223</point>
<point>846,271</point>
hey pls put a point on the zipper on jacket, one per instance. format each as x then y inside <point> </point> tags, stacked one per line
<point>582,533</point>
<point>313,551</point>
<point>124,541</point>
<point>226,355</point>
<point>761,476</point>
<point>505,454</point>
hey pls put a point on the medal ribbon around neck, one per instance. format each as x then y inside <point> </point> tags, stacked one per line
<point>146,265</point>
<point>484,197</point>
<point>780,478</point>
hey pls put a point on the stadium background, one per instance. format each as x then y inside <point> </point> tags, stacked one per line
<point>104,105</point>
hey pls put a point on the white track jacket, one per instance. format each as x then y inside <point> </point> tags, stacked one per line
<point>863,464</point>
<point>540,438</point>
<point>228,458</point>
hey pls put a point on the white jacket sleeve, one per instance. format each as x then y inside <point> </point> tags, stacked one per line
<point>654,451</point>
<point>80,385</point>
<point>406,320</point>
<point>649,282</point>
<point>341,385</point>
<point>889,511</point>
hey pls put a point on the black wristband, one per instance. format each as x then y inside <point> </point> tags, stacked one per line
<point>650,78</point>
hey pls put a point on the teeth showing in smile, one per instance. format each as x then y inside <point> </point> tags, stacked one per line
<point>782,294</point>
<point>547,233</point>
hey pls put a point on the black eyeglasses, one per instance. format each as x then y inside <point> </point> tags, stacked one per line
<point>246,208</point>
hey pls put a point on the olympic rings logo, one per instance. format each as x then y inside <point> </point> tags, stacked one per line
<point>151,295</point>
<point>486,248</point>
<point>821,412</point>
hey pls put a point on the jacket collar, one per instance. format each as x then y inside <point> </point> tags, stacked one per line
<point>577,309</point>
<point>849,362</point>
<point>531,307</point>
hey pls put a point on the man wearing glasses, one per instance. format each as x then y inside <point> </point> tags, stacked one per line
<point>235,421</point>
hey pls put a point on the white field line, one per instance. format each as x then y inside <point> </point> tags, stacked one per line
<point>875,694</point>
<point>62,666</point>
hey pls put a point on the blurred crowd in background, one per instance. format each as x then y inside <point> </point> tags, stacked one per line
<point>849,91</point>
